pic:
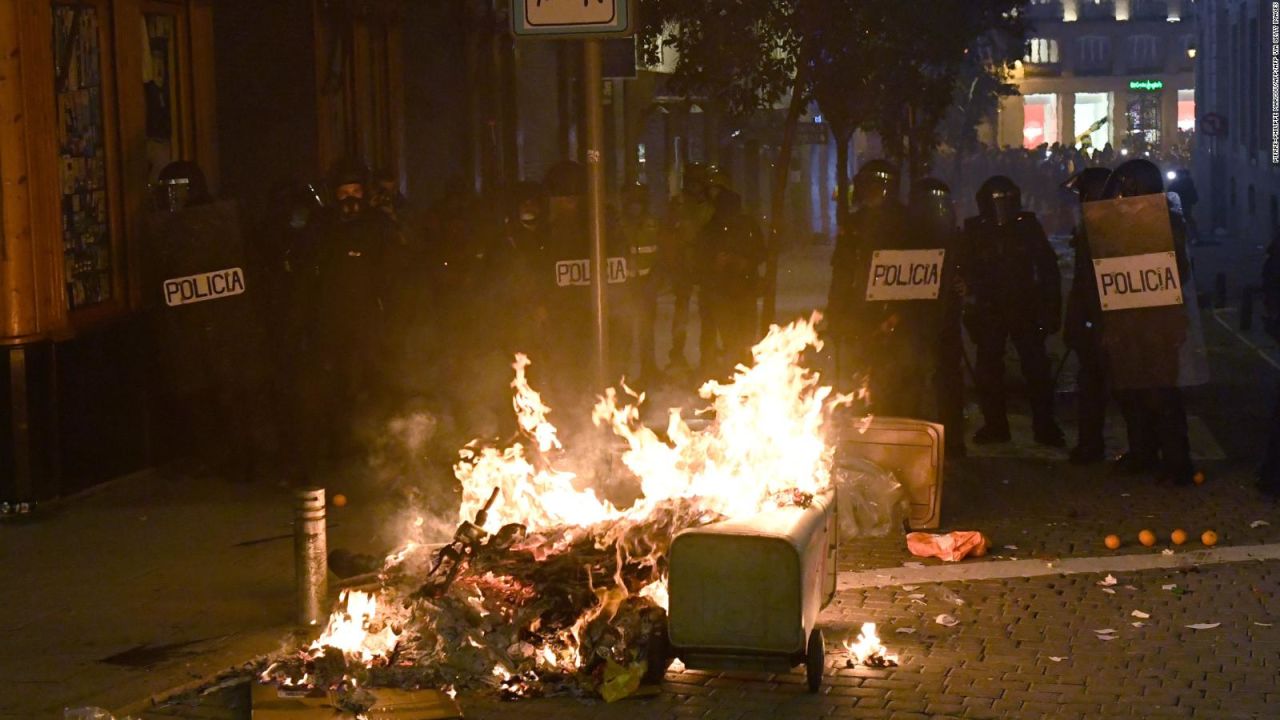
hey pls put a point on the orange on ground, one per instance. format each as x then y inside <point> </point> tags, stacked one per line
<point>1209,538</point>
<point>339,500</point>
<point>1198,477</point>
<point>1178,536</point>
<point>1147,538</point>
<point>1112,542</point>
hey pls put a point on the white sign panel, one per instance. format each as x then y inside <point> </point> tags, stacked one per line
<point>1138,281</point>
<point>570,17</point>
<point>905,275</point>
<point>578,272</point>
<point>206,286</point>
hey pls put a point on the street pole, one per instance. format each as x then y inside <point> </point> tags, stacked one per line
<point>310,555</point>
<point>595,200</point>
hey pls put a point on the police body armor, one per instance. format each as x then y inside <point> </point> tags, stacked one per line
<point>1013,273</point>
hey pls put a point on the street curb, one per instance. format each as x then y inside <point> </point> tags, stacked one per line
<point>203,679</point>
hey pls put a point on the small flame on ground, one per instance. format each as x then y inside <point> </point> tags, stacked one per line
<point>355,629</point>
<point>868,650</point>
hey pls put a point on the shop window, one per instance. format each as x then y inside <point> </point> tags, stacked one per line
<point>82,134</point>
<point>1186,110</point>
<point>1039,120</point>
<point>1092,119</point>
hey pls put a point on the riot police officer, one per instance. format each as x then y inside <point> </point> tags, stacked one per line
<point>865,331</point>
<point>934,225</point>
<point>568,280</point>
<point>1082,328</point>
<point>640,231</point>
<point>353,299</point>
<point>1015,295</point>
<point>690,212</point>
<point>1143,354</point>
<point>730,250</point>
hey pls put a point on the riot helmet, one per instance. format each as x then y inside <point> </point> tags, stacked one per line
<point>180,184</point>
<point>1088,184</point>
<point>999,200</point>
<point>876,181</point>
<point>694,181</point>
<point>528,204</point>
<point>349,192</point>
<point>1134,177</point>
<point>931,201</point>
<point>384,192</point>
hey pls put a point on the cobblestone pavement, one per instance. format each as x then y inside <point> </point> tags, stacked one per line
<point>1023,648</point>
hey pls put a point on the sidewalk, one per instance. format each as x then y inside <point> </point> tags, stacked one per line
<point>158,579</point>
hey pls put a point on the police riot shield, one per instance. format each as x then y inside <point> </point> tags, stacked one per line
<point>1140,280</point>
<point>204,331</point>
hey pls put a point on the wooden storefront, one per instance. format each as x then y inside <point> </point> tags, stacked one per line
<point>96,96</point>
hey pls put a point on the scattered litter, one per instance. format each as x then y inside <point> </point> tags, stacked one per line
<point>1167,551</point>
<point>1204,626</point>
<point>1170,586</point>
<point>950,547</point>
<point>905,631</point>
<point>1259,523</point>
<point>1124,494</point>
<point>916,596</point>
<point>1130,587</point>
<point>918,601</point>
<point>86,713</point>
<point>1106,637</point>
<point>1137,624</point>
<point>914,565</point>
<point>1260,624</point>
<point>1108,581</point>
<point>1010,547</point>
<point>1140,615</point>
<point>1058,659</point>
<point>946,620</point>
<point>950,597</point>
<point>1109,591</point>
<point>910,588</point>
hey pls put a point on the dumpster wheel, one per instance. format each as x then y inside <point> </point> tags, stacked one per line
<point>815,660</point>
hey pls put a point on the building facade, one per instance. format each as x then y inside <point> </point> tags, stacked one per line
<point>1105,71</point>
<point>1234,169</point>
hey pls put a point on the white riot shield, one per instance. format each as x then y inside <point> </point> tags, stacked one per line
<point>1140,288</point>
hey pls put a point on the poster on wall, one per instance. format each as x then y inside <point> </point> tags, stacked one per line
<point>86,217</point>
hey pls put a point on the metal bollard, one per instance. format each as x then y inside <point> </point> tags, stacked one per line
<point>1220,290</point>
<point>1246,309</point>
<point>310,550</point>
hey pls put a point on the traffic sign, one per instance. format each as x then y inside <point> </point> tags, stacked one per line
<point>571,18</point>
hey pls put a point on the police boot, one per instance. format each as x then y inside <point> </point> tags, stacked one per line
<point>1051,435</point>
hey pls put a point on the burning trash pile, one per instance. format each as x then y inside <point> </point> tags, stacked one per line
<point>549,589</point>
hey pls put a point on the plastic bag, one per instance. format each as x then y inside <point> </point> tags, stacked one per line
<point>870,502</point>
<point>950,546</point>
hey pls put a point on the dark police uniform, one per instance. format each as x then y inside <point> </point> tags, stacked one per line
<point>1015,290</point>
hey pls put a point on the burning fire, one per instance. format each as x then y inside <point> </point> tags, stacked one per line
<point>767,439</point>
<point>356,630</point>
<point>867,649</point>
<point>545,584</point>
